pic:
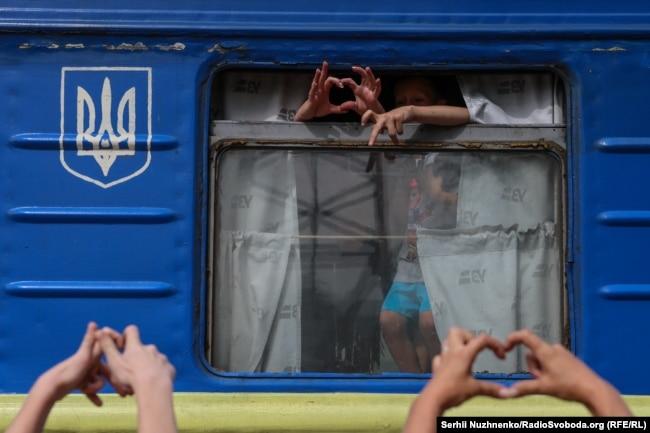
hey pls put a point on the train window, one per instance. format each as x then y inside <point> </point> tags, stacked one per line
<point>330,256</point>
<point>359,261</point>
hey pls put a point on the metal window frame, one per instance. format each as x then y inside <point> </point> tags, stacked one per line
<point>226,134</point>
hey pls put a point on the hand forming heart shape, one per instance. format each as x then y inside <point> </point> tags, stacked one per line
<point>555,372</point>
<point>366,94</point>
<point>128,365</point>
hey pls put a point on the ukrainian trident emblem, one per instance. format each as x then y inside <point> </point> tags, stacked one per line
<point>108,139</point>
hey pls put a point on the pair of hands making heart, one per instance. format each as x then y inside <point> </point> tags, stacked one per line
<point>366,94</point>
<point>556,372</point>
<point>128,365</point>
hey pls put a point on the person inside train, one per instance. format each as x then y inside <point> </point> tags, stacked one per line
<point>130,367</point>
<point>556,372</point>
<point>406,317</point>
<point>416,100</point>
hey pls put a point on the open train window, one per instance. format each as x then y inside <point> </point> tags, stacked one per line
<point>329,256</point>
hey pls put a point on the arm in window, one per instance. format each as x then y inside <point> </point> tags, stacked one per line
<point>392,121</point>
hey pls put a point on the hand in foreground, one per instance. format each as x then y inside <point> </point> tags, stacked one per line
<point>453,382</point>
<point>137,366</point>
<point>146,372</point>
<point>80,371</point>
<point>557,372</point>
<point>318,101</point>
<point>366,94</point>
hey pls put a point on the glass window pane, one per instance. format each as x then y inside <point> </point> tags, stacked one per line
<point>359,261</point>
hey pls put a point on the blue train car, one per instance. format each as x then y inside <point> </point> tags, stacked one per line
<point>143,181</point>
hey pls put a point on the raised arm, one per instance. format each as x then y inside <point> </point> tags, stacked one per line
<point>560,374</point>
<point>80,371</point>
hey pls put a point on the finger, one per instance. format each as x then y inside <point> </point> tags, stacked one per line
<point>534,366</point>
<point>116,336</point>
<point>376,130</point>
<point>525,337</point>
<point>349,82</point>
<point>489,389</point>
<point>371,76</point>
<point>481,342</point>
<point>377,90</point>
<point>93,386</point>
<point>151,348</point>
<point>436,363</point>
<point>131,336</point>
<point>347,106</point>
<point>398,126</point>
<point>362,72</point>
<point>88,338</point>
<point>324,72</point>
<point>368,115</point>
<point>520,389</point>
<point>331,81</point>
<point>109,348</point>
<point>94,398</point>
<point>392,131</point>
<point>458,337</point>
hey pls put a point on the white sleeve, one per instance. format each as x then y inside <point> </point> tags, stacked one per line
<point>512,99</point>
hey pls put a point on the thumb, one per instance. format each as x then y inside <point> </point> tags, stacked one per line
<point>348,105</point>
<point>490,389</point>
<point>520,389</point>
<point>89,338</point>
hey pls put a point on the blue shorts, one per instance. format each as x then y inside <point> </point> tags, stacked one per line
<point>407,299</point>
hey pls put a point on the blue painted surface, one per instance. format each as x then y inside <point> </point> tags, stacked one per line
<point>64,235</point>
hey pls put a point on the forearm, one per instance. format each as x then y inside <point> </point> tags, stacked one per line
<point>155,407</point>
<point>34,411</point>
<point>604,400</point>
<point>424,412</point>
<point>443,115</point>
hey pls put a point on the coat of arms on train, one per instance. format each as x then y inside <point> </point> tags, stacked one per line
<point>105,123</point>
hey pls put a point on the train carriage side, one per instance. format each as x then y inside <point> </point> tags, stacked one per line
<point>125,196</point>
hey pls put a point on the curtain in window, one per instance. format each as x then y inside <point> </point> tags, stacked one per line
<point>513,99</point>
<point>257,303</point>
<point>498,270</point>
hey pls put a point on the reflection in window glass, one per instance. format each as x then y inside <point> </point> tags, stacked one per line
<point>359,261</point>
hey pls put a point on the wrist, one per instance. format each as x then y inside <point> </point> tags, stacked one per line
<point>151,383</point>
<point>48,388</point>
<point>409,113</point>
<point>602,399</point>
<point>434,396</point>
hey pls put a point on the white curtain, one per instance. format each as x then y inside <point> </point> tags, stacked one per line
<point>257,303</point>
<point>499,270</point>
<point>262,96</point>
<point>513,99</point>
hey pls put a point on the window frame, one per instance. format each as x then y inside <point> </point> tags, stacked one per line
<point>227,134</point>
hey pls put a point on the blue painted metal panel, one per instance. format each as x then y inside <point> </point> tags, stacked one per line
<point>139,246</point>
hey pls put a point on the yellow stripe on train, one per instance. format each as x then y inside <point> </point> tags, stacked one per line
<point>215,412</point>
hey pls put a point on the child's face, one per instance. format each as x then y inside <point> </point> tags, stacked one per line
<point>414,92</point>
